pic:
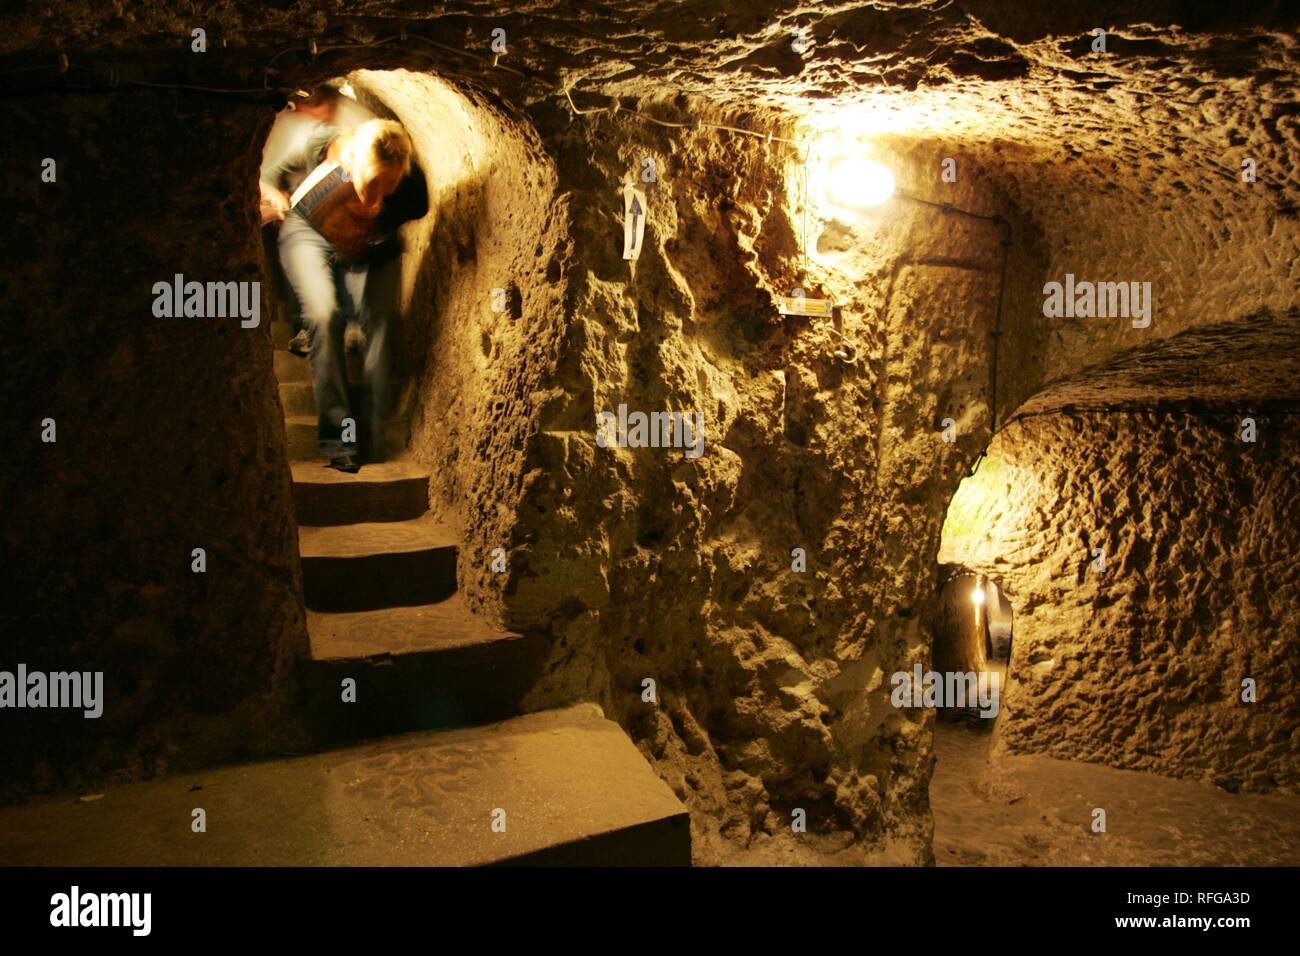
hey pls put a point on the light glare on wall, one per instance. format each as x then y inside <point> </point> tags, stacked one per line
<point>977,596</point>
<point>858,183</point>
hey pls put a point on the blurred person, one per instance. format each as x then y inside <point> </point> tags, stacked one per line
<point>342,198</point>
<point>294,125</point>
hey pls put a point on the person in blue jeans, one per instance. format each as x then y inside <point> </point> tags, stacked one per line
<point>354,272</point>
<point>305,113</point>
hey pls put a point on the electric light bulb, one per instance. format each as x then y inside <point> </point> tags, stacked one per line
<point>977,597</point>
<point>858,183</point>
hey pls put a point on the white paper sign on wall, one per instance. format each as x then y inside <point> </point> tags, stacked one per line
<point>634,210</point>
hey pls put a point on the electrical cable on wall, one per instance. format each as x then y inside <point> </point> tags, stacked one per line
<point>996,333</point>
<point>850,355</point>
<point>62,65</point>
<point>699,124</point>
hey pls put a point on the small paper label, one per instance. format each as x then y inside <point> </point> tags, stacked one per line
<point>634,210</point>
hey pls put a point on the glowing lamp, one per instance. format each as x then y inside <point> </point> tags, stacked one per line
<point>858,183</point>
<point>977,596</point>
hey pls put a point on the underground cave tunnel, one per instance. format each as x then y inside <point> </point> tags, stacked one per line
<point>750,364</point>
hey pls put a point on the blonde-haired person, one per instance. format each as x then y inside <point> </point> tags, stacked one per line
<point>353,272</point>
<point>376,149</point>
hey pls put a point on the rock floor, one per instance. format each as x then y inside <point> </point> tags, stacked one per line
<point>1013,810</point>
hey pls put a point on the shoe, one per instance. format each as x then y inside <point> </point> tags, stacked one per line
<point>354,340</point>
<point>345,462</point>
<point>300,345</point>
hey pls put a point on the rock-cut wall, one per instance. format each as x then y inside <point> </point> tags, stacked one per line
<point>1141,665</point>
<point>652,564</point>
<point>169,438</point>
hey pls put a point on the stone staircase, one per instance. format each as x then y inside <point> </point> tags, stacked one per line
<point>379,584</point>
<point>561,787</point>
<point>433,765</point>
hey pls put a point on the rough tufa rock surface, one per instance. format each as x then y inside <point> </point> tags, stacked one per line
<point>1142,665</point>
<point>773,684</point>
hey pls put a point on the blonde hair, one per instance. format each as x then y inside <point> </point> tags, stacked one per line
<point>377,143</point>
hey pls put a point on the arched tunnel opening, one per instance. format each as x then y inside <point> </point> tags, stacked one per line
<point>443,277</point>
<point>456,256</point>
<point>972,633</point>
<point>798,436</point>
<point>1119,658</point>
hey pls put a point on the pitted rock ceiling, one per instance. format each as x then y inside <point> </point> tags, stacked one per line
<point>1122,160</point>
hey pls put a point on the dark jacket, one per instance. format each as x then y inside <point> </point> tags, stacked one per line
<point>410,200</point>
